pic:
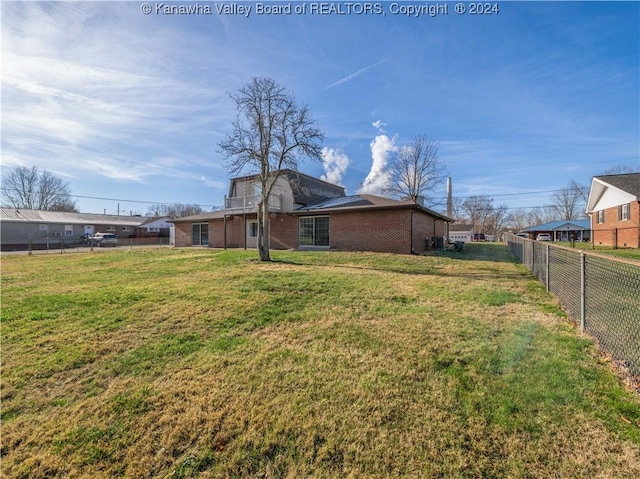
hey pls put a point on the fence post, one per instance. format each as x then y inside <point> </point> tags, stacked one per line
<point>30,247</point>
<point>583,298</point>
<point>547,262</point>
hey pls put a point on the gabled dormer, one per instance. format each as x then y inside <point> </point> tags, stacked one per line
<point>292,190</point>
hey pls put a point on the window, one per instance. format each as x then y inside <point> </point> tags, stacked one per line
<point>44,228</point>
<point>153,230</point>
<point>623,212</point>
<point>600,216</point>
<point>125,228</point>
<point>200,234</point>
<point>314,231</point>
<point>253,229</point>
<point>110,228</point>
<point>68,230</point>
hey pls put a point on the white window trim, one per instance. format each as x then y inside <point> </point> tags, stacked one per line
<point>624,212</point>
<point>250,228</point>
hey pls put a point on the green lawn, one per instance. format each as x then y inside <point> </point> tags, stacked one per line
<point>628,253</point>
<point>207,363</point>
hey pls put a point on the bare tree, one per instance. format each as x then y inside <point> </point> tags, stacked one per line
<point>497,220</point>
<point>478,209</point>
<point>177,210</point>
<point>541,215</point>
<point>621,170</point>
<point>32,189</point>
<point>518,219</point>
<point>416,169</point>
<point>569,202</point>
<point>271,133</point>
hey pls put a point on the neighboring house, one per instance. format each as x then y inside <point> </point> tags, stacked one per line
<point>20,227</point>
<point>460,232</point>
<point>308,213</point>
<point>614,207</point>
<point>159,227</point>
<point>565,230</point>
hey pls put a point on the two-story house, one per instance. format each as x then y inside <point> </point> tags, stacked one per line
<point>309,213</point>
<point>614,208</point>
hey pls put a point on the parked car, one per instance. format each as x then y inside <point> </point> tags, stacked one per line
<point>543,237</point>
<point>478,237</point>
<point>522,235</point>
<point>104,239</point>
<point>85,238</point>
<point>490,237</point>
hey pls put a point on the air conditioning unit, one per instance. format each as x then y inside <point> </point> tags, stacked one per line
<point>57,233</point>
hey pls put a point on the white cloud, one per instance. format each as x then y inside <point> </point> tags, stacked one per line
<point>379,178</point>
<point>335,165</point>
<point>99,99</point>
<point>378,125</point>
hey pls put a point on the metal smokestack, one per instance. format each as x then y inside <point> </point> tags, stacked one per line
<point>449,198</point>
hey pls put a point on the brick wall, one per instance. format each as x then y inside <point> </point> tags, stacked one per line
<point>616,233</point>
<point>183,234</point>
<point>284,231</point>
<point>381,231</point>
<point>389,231</point>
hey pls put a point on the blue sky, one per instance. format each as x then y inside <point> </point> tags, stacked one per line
<point>130,108</point>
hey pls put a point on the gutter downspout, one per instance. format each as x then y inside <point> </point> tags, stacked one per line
<point>411,232</point>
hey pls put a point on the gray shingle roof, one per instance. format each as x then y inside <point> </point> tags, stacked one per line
<point>352,201</point>
<point>14,215</point>
<point>306,189</point>
<point>629,182</point>
<point>364,203</point>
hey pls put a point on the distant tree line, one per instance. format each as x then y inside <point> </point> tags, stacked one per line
<point>567,204</point>
<point>175,210</point>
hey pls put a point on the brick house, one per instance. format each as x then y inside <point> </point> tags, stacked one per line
<point>564,230</point>
<point>614,208</point>
<point>308,213</point>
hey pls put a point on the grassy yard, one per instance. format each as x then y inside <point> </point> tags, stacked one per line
<point>628,253</point>
<point>206,363</point>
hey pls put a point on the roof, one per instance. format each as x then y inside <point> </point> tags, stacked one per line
<point>563,225</point>
<point>460,227</point>
<point>156,222</point>
<point>306,189</point>
<point>629,183</point>
<point>211,215</point>
<point>13,215</point>
<point>613,190</point>
<point>364,203</point>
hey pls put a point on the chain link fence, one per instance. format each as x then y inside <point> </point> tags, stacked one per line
<point>602,294</point>
<point>73,246</point>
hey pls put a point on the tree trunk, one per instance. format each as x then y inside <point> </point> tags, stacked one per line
<point>263,230</point>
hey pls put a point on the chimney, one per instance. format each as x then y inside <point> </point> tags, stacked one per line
<point>449,199</point>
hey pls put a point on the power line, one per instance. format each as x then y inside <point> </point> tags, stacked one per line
<point>148,202</point>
